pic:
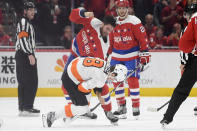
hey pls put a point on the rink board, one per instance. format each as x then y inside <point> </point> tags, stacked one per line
<point>56,92</point>
<point>159,80</point>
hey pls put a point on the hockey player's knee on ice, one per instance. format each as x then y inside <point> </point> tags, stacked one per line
<point>73,110</point>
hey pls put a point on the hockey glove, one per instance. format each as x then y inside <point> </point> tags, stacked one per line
<point>144,59</point>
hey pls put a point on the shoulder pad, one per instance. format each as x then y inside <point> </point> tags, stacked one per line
<point>130,19</point>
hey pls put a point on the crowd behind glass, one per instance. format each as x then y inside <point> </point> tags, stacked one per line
<point>162,19</point>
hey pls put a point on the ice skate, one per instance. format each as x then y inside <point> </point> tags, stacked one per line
<point>88,115</point>
<point>121,112</point>
<point>136,112</point>
<point>113,119</point>
<point>48,119</point>
<point>29,113</point>
<point>195,111</point>
<point>164,123</point>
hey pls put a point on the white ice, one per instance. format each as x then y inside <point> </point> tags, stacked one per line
<point>149,121</point>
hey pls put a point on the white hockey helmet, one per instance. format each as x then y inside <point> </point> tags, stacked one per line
<point>120,72</point>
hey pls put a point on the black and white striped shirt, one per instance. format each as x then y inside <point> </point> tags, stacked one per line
<point>25,36</point>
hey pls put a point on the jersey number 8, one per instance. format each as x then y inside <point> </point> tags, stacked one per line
<point>93,62</point>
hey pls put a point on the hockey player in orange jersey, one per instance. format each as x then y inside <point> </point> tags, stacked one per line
<point>85,74</point>
<point>92,40</point>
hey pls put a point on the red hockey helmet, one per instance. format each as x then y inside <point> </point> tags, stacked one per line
<point>122,3</point>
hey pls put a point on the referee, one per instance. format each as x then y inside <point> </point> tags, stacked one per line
<point>26,64</point>
<point>187,45</point>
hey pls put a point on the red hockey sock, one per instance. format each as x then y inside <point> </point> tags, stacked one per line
<point>120,93</point>
<point>107,100</point>
<point>133,83</point>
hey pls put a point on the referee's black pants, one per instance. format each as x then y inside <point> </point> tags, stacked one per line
<point>183,89</point>
<point>27,78</point>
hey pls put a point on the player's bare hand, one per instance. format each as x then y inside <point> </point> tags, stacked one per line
<point>89,14</point>
<point>32,59</point>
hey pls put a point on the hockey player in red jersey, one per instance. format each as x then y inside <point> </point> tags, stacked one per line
<point>85,74</point>
<point>187,44</point>
<point>128,46</point>
<point>92,40</point>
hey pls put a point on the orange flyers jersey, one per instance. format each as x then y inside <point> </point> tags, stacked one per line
<point>87,73</point>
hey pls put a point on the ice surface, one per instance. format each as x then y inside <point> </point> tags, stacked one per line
<point>149,121</point>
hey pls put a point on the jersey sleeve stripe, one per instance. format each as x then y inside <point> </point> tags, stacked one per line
<point>74,70</point>
<point>82,89</point>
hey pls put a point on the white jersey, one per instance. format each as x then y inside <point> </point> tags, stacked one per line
<point>87,73</point>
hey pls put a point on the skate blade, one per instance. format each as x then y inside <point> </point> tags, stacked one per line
<point>44,121</point>
<point>163,125</point>
<point>123,116</point>
<point>137,117</point>
<point>114,123</point>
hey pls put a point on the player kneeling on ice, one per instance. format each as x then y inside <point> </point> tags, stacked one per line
<point>85,74</point>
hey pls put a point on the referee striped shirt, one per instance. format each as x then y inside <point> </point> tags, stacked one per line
<point>25,36</point>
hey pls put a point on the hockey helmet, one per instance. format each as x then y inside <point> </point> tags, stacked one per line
<point>28,5</point>
<point>122,3</point>
<point>120,72</point>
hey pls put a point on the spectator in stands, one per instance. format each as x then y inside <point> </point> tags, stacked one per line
<point>1,17</point>
<point>173,38</point>
<point>5,40</point>
<point>157,11</point>
<point>189,2</point>
<point>131,11</point>
<point>66,39</point>
<point>142,8</point>
<point>51,19</point>
<point>149,26</point>
<point>157,39</point>
<point>171,14</point>
<point>111,10</point>
<point>96,6</point>
<point>182,3</point>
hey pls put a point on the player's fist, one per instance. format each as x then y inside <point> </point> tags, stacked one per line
<point>144,57</point>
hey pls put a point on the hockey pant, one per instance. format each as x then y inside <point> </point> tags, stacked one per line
<point>74,96</point>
